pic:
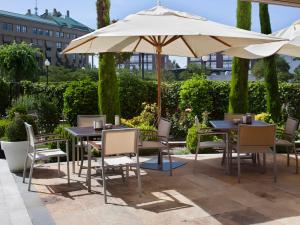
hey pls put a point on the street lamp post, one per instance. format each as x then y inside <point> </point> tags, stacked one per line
<point>47,64</point>
<point>205,58</point>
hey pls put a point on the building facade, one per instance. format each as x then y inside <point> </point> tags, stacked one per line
<point>50,32</point>
<point>146,62</point>
<point>216,62</point>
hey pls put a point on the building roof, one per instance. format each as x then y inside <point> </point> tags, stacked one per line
<point>294,3</point>
<point>61,21</point>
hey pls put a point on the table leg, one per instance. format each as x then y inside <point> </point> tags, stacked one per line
<point>73,154</point>
<point>89,167</point>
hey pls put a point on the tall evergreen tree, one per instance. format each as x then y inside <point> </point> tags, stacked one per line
<point>270,75</point>
<point>108,87</point>
<point>238,98</point>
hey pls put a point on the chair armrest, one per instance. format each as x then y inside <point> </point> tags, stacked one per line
<point>50,141</point>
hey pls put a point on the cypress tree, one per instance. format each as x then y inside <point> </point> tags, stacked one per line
<point>238,98</point>
<point>270,75</point>
<point>108,86</point>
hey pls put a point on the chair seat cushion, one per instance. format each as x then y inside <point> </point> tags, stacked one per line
<point>284,142</point>
<point>152,145</point>
<point>48,153</point>
<point>212,144</point>
<point>117,161</point>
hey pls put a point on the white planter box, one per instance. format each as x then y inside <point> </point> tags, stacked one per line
<point>15,153</point>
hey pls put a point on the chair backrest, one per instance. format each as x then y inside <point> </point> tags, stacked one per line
<point>232,116</point>
<point>256,138</point>
<point>30,135</point>
<point>164,127</point>
<point>119,141</point>
<point>87,120</point>
<point>291,126</point>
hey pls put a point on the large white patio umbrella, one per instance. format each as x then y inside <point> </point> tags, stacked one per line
<point>291,46</point>
<point>160,30</point>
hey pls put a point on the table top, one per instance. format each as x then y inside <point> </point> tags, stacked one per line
<point>229,125</point>
<point>87,131</point>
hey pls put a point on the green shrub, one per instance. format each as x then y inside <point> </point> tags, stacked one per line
<point>80,98</point>
<point>133,93</point>
<point>191,139</point>
<point>4,96</point>
<point>54,91</point>
<point>16,131</point>
<point>48,115</point>
<point>61,132</point>
<point>23,105</point>
<point>3,125</point>
<point>195,94</point>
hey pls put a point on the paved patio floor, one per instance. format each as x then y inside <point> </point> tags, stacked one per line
<point>198,193</point>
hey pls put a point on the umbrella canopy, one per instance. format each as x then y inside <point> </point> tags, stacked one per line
<point>160,30</point>
<point>291,46</point>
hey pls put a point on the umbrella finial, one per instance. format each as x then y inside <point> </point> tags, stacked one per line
<point>158,2</point>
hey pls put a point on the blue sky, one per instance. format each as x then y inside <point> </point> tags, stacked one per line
<point>217,10</point>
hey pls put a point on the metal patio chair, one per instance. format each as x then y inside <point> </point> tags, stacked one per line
<point>41,154</point>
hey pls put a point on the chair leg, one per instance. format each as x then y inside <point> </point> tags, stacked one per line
<point>170,163</point>
<point>127,172</point>
<point>68,169</point>
<point>25,168</point>
<point>275,165</point>
<point>288,155</point>
<point>223,158</point>
<point>264,163</point>
<point>296,157</point>
<point>81,162</point>
<point>58,162</point>
<point>78,156</point>
<point>239,167</point>
<point>196,155</point>
<point>30,174</point>
<point>104,184</point>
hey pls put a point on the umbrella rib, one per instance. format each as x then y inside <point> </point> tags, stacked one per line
<point>219,40</point>
<point>172,39</point>
<point>90,39</point>
<point>189,47</point>
<point>149,41</point>
<point>137,44</point>
<point>165,38</point>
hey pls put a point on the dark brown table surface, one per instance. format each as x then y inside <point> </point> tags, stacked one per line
<point>229,125</point>
<point>87,131</point>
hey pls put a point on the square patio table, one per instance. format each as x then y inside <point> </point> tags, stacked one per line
<point>227,126</point>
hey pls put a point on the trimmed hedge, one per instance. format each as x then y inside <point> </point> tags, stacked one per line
<point>200,95</point>
<point>80,98</point>
<point>54,91</point>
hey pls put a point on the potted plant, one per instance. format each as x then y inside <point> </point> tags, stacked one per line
<point>15,143</point>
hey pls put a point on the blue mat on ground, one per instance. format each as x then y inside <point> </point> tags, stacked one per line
<point>152,164</point>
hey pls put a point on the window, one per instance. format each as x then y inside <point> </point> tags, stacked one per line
<point>57,34</point>
<point>74,36</point>
<point>58,45</point>
<point>7,26</point>
<point>68,36</point>
<point>24,29</point>
<point>50,33</point>
<point>34,30</point>
<point>61,34</point>
<point>18,28</point>
<point>40,31</point>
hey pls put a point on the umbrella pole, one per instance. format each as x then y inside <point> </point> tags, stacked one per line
<point>158,74</point>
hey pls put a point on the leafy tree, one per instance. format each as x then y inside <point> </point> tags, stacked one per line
<point>271,81</point>
<point>18,62</point>
<point>108,87</point>
<point>282,69</point>
<point>238,97</point>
